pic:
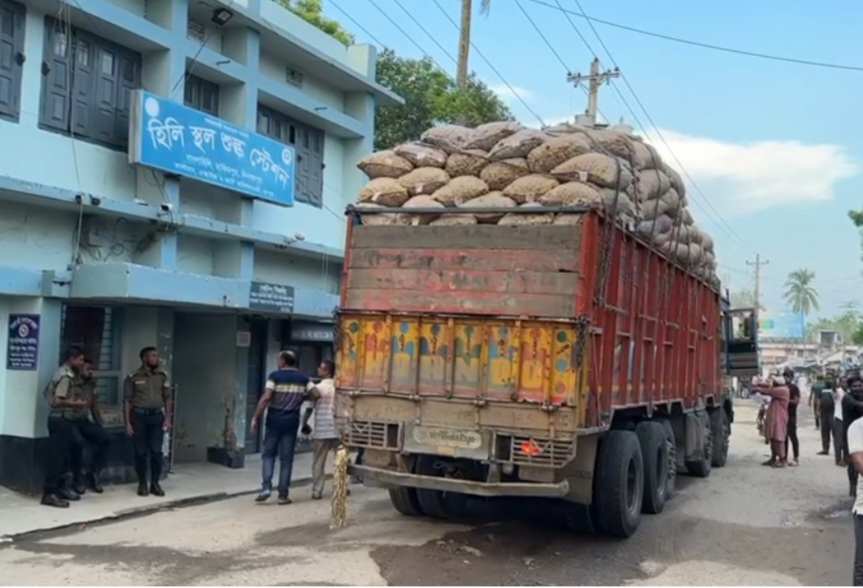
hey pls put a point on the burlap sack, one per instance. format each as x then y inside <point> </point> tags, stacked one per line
<point>384,191</point>
<point>555,151</point>
<point>384,164</point>
<point>686,217</point>
<point>488,135</point>
<point>567,219</point>
<point>517,145</point>
<point>669,204</point>
<point>601,170</point>
<point>459,190</point>
<point>674,178</point>
<point>490,200</point>
<point>662,224</point>
<point>513,219</point>
<point>500,174</point>
<point>529,188</point>
<point>707,242</point>
<point>422,155</point>
<point>424,180</point>
<point>375,220</point>
<point>571,194</point>
<point>450,138</point>
<point>422,201</point>
<point>453,220</point>
<point>651,183</point>
<point>610,142</point>
<point>641,156</point>
<point>466,163</point>
<point>618,201</point>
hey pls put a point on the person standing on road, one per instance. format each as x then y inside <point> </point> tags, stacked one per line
<point>285,391</point>
<point>855,449</point>
<point>777,419</point>
<point>826,408</point>
<point>60,395</point>
<point>852,410</point>
<point>815,398</point>
<point>840,452</point>
<point>325,438</point>
<point>149,411</point>
<point>86,431</point>
<point>793,402</point>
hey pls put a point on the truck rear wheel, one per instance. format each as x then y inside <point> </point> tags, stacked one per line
<point>671,442</point>
<point>654,453</point>
<point>721,437</point>
<point>435,503</point>
<point>701,467</point>
<point>405,501</point>
<point>619,484</point>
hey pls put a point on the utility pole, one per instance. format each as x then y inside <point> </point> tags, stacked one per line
<point>757,265</point>
<point>595,80</point>
<point>463,44</point>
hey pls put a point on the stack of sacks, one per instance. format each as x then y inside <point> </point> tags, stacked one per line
<point>505,165</point>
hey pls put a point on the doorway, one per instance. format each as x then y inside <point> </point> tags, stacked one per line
<point>255,378</point>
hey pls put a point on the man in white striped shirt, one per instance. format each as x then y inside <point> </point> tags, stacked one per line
<point>325,438</point>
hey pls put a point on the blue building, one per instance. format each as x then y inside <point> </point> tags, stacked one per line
<point>113,256</point>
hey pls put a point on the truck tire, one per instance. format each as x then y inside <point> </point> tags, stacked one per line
<point>671,442</point>
<point>701,467</point>
<point>654,453</point>
<point>619,484</point>
<point>721,437</point>
<point>435,503</point>
<point>405,501</point>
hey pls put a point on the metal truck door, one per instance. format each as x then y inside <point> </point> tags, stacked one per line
<point>741,338</point>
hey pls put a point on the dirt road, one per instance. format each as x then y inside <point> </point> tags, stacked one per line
<point>746,524</point>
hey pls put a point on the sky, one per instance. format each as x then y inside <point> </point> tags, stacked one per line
<point>776,148</point>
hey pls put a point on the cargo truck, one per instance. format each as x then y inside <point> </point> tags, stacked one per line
<point>572,362</point>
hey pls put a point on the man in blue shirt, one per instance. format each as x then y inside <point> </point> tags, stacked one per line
<point>283,396</point>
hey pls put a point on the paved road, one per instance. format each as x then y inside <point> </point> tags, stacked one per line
<point>746,524</point>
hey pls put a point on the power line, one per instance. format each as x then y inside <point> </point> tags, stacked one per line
<point>425,30</point>
<point>725,49</point>
<point>542,36</point>
<point>407,36</point>
<point>358,25</point>
<point>492,67</point>
<point>722,222</point>
<point>575,28</point>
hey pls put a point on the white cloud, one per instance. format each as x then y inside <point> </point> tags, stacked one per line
<point>748,177</point>
<point>507,94</point>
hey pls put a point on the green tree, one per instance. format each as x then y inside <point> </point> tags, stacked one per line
<point>800,294</point>
<point>431,97</point>
<point>312,12</point>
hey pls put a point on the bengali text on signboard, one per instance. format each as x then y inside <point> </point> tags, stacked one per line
<point>23,346</point>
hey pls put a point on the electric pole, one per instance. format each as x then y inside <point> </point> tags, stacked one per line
<point>757,265</point>
<point>594,80</point>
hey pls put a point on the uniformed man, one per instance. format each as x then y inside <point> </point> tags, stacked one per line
<point>149,411</point>
<point>826,408</point>
<point>815,398</point>
<point>62,400</point>
<point>87,428</point>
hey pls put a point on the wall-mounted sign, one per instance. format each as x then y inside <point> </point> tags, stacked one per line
<point>176,139</point>
<point>314,332</point>
<point>23,347</point>
<point>271,297</point>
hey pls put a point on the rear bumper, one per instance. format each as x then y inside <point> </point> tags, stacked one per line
<point>389,478</point>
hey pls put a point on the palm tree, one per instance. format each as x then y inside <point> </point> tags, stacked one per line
<point>800,294</point>
<point>464,39</point>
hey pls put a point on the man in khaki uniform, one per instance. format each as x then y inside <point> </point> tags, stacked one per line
<point>63,399</point>
<point>87,429</point>
<point>148,415</point>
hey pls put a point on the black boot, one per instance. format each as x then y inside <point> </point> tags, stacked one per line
<point>156,489</point>
<point>78,485</point>
<point>142,488</point>
<point>94,483</point>
<point>51,499</point>
<point>68,493</point>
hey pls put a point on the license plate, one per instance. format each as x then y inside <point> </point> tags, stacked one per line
<point>446,441</point>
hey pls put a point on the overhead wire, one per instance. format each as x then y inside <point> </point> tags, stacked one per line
<point>543,37</point>
<point>380,43</point>
<point>704,45</point>
<point>721,222</point>
<point>406,35</point>
<point>426,31</point>
<point>492,67</point>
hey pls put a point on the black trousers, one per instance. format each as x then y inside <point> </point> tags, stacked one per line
<point>792,437</point>
<point>57,456</point>
<point>826,426</point>
<point>86,432</point>
<point>858,550</point>
<point>840,451</point>
<point>147,439</point>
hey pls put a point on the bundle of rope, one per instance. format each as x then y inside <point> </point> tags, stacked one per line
<point>339,503</point>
